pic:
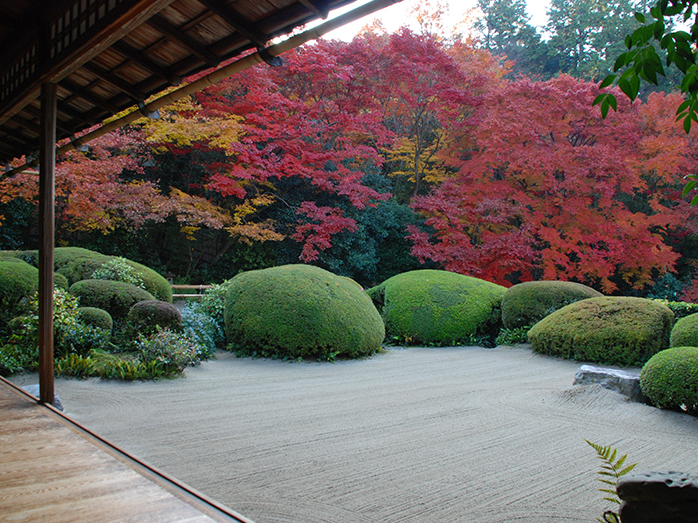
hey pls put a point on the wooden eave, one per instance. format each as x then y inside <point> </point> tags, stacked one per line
<point>108,55</point>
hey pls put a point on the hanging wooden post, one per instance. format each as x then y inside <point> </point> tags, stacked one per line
<point>47,197</point>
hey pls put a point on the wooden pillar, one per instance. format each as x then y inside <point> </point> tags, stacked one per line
<point>47,197</point>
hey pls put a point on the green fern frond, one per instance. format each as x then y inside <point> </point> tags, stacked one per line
<point>610,468</point>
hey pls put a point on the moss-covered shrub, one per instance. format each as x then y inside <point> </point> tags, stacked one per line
<point>96,318</point>
<point>670,379</point>
<point>610,330</point>
<point>438,307</point>
<point>151,313</point>
<point>300,311</point>
<point>76,263</point>
<point>18,280</point>
<point>115,297</point>
<point>525,304</point>
<point>685,332</point>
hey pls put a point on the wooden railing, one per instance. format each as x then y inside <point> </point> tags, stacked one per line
<point>199,288</point>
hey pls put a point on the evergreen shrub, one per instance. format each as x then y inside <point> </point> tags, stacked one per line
<point>670,379</point>
<point>610,330</point>
<point>115,297</point>
<point>434,307</point>
<point>685,332</point>
<point>525,304</point>
<point>151,313</point>
<point>300,311</point>
<point>18,280</point>
<point>96,318</point>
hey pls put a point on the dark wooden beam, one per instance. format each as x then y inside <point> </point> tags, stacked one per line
<point>237,21</point>
<point>117,82</point>
<point>128,15</point>
<point>47,196</point>
<point>189,43</point>
<point>86,94</point>
<point>317,10</point>
<point>145,62</point>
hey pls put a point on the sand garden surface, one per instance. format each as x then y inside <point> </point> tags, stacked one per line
<point>416,435</point>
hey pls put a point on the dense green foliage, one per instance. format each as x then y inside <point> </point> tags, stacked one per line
<point>609,330</point>
<point>670,379</point>
<point>685,332</point>
<point>96,318</point>
<point>17,281</point>
<point>151,313</point>
<point>154,283</point>
<point>118,269</point>
<point>76,263</point>
<point>300,311</point>
<point>115,297</point>
<point>681,309</point>
<point>438,307</point>
<point>525,304</point>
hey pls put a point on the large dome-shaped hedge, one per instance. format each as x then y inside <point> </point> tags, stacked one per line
<point>610,330</point>
<point>525,304</point>
<point>438,307</point>
<point>670,379</point>
<point>300,311</point>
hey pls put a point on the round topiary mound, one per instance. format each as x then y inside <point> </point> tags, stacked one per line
<point>438,307</point>
<point>18,280</point>
<point>685,332</point>
<point>96,318</point>
<point>300,311</point>
<point>115,297</point>
<point>610,330</point>
<point>76,263</point>
<point>155,283</point>
<point>525,304</point>
<point>150,313</point>
<point>670,379</point>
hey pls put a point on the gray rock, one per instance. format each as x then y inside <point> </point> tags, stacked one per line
<point>34,391</point>
<point>659,497</point>
<point>627,383</point>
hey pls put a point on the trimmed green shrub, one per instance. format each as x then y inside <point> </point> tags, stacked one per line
<point>96,318</point>
<point>151,313</point>
<point>76,263</point>
<point>60,281</point>
<point>670,379</point>
<point>300,311</point>
<point>115,297</point>
<point>685,332</point>
<point>525,304</point>
<point>155,283</point>
<point>18,280</point>
<point>438,307</point>
<point>610,330</point>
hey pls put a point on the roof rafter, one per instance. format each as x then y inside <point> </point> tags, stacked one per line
<point>185,40</point>
<point>237,21</point>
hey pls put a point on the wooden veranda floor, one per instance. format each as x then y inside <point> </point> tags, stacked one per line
<point>51,469</point>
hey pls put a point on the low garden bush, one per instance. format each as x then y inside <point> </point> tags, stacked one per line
<point>115,297</point>
<point>95,317</point>
<point>172,351</point>
<point>152,313</point>
<point>300,311</point>
<point>76,263</point>
<point>438,308</point>
<point>681,309</point>
<point>609,330</point>
<point>118,269</point>
<point>670,379</point>
<point>203,329</point>
<point>685,332</point>
<point>18,280</point>
<point>525,304</point>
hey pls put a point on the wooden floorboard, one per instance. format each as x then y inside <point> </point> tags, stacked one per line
<point>54,470</point>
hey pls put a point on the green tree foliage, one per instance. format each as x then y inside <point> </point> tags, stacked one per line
<point>587,34</point>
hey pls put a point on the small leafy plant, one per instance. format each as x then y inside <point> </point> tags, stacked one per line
<point>514,336</point>
<point>611,470</point>
<point>118,269</point>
